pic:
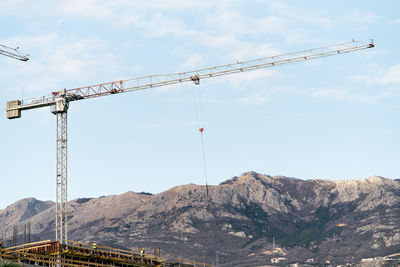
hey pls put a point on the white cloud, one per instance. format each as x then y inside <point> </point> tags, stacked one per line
<point>156,125</point>
<point>358,17</point>
<point>389,131</point>
<point>118,12</point>
<point>339,94</point>
<point>249,50</point>
<point>244,81</point>
<point>260,75</point>
<point>87,8</point>
<point>349,96</point>
<point>226,27</point>
<point>224,39</point>
<point>392,75</point>
<point>105,11</point>
<point>396,21</point>
<point>255,99</point>
<point>161,25</point>
<point>194,61</point>
<point>175,5</point>
<point>226,19</point>
<point>282,22</point>
<point>377,75</point>
<point>58,63</point>
<point>304,15</point>
<point>98,10</point>
<point>169,88</point>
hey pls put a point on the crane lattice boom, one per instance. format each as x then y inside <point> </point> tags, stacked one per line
<point>12,52</point>
<point>152,81</point>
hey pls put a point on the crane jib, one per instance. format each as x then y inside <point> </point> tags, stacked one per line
<point>151,81</point>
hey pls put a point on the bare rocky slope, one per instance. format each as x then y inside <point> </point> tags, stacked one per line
<point>340,221</point>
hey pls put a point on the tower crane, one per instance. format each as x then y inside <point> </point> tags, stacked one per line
<point>12,52</point>
<point>59,102</point>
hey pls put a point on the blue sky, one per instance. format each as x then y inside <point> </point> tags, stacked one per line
<point>332,118</point>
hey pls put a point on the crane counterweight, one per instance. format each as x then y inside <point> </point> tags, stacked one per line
<point>12,109</point>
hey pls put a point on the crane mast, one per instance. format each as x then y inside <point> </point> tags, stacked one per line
<point>59,103</point>
<point>61,176</point>
<point>12,52</point>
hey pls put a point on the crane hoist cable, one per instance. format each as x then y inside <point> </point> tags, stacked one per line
<point>198,105</point>
<point>204,162</point>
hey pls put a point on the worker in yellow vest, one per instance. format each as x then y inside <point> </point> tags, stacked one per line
<point>94,245</point>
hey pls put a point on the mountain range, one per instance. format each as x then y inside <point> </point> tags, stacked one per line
<point>251,220</point>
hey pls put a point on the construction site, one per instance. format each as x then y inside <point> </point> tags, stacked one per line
<point>64,252</point>
<point>52,253</point>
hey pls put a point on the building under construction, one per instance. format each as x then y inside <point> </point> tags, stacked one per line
<point>52,253</point>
